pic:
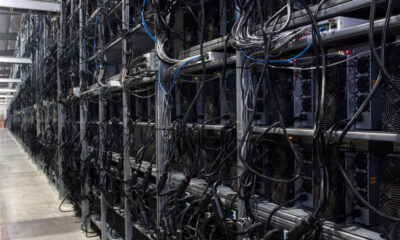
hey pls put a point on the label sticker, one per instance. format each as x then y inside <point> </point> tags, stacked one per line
<point>373,180</point>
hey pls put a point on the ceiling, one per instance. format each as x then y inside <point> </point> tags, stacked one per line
<point>9,26</point>
<point>10,18</point>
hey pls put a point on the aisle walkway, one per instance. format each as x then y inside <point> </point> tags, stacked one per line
<point>28,203</point>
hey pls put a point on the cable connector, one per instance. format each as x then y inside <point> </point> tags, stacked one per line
<point>204,202</point>
<point>146,178</point>
<point>219,210</point>
<point>162,181</point>
<point>179,234</point>
<point>134,177</point>
<point>301,228</point>
<point>180,190</point>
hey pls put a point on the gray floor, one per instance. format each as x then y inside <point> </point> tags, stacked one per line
<point>28,203</point>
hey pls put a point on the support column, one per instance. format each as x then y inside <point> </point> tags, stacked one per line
<point>126,108</point>
<point>83,107</point>
<point>35,80</point>
<point>102,130</point>
<point>163,138</point>
<point>241,123</point>
<point>61,115</point>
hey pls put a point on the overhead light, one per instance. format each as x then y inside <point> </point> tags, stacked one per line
<point>4,90</point>
<point>6,96</point>
<point>15,60</point>
<point>9,80</point>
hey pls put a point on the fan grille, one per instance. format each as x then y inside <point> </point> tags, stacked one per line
<point>329,208</point>
<point>390,198</point>
<point>391,179</point>
<point>391,110</point>
<point>279,193</point>
<point>394,65</point>
<point>329,111</point>
<point>392,228</point>
<point>391,101</point>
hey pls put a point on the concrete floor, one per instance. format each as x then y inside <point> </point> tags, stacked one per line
<point>28,203</point>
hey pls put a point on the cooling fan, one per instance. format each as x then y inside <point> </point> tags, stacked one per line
<point>334,95</point>
<point>391,101</point>
<point>390,196</point>
<point>329,208</point>
<point>390,179</point>
<point>391,228</point>
<point>391,110</point>
<point>394,64</point>
<point>329,111</point>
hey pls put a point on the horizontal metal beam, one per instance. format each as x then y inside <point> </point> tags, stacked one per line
<point>9,80</point>
<point>8,36</point>
<point>31,5</point>
<point>15,60</point>
<point>357,134</point>
<point>6,96</point>
<point>7,90</point>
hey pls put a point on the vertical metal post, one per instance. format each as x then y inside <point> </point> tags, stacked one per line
<point>35,79</point>
<point>43,71</point>
<point>126,108</point>
<point>102,130</point>
<point>163,135</point>
<point>83,107</point>
<point>72,28</point>
<point>45,47</point>
<point>47,110</point>
<point>41,80</point>
<point>241,122</point>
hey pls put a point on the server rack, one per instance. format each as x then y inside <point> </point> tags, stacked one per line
<point>33,115</point>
